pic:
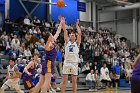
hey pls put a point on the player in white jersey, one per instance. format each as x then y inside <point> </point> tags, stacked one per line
<point>71,57</point>
<point>12,78</point>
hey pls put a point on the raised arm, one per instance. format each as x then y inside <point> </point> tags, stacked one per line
<point>79,33</point>
<point>59,28</point>
<point>66,37</point>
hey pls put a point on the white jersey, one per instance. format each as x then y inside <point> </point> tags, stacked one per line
<point>11,71</point>
<point>71,52</point>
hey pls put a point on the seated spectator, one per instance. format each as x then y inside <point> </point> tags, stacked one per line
<point>4,36</point>
<point>32,31</point>
<point>47,24</point>
<point>12,51</point>
<point>96,66</point>
<point>15,42</point>
<point>22,49</point>
<point>91,81</point>
<point>86,68</point>
<point>36,21</point>
<point>112,45</point>
<point>42,44</point>
<point>24,62</point>
<point>38,32</point>
<point>27,53</point>
<point>36,51</point>
<point>27,21</point>
<point>105,78</point>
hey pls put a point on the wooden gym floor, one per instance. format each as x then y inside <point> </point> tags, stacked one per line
<point>86,91</point>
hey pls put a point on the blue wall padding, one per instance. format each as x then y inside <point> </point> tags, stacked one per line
<point>69,12</point>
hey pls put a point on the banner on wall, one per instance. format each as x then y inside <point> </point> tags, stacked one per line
<point>2,1</point>
<point>2,10</point>
<point>81,6</point>
<point>1,19</point>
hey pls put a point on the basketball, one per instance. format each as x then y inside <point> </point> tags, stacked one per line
<point>60,4</point>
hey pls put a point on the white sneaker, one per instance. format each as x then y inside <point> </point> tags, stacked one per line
<point>57,88</point>
<point>95,90</point>
<point>20,91</point>
<point>90,90</point>
<point>50,91</point>
<point>53,90</point>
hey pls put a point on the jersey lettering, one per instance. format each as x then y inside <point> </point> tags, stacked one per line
<point>11,73</point>
<point>71,48</point>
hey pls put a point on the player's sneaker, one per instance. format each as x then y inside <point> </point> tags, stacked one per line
<point>90,90</point>
<point>95,90</point>
<point>53,91</point>
<point>58,88</point>
<point>20,91</point>
<point>50,91</point>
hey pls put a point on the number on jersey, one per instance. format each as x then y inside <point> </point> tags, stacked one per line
<point>11,74</point>
<point>70,49</point>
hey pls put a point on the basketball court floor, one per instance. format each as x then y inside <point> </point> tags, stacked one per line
<point>86,91</point>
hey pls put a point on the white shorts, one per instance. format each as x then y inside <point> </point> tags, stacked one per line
<point>14,83</point>
<point>70,68</point>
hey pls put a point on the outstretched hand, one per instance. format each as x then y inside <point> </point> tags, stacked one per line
<point>77,22</point>
<point>77,26</point>
<point>59,17</point>
<point>62,19</point>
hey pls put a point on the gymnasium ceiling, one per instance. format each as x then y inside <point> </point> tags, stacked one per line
<point>108,3</point>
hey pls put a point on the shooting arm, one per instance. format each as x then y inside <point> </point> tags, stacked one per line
<point>58,31</point>
<point>79,34</point>
<point>66,38</point>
